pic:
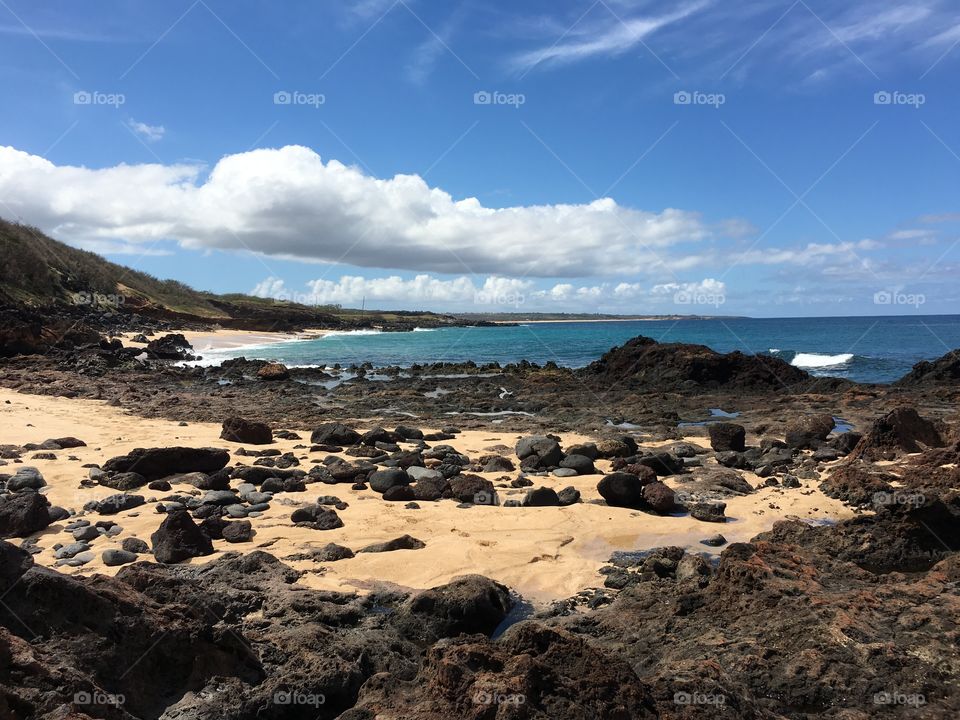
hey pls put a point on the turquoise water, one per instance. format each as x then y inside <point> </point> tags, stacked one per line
<point>875,349</point>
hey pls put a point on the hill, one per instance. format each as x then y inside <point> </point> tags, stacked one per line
<point>41,274</point>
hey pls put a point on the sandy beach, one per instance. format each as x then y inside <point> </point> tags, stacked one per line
<point>228,339</point>
<point>544,553</point>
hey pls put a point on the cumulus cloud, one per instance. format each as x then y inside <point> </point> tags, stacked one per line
<point>288,202</point>
<point>150,133</point>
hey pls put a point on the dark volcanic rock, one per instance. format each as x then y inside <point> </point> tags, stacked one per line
<point>238,531</point>
<point>273,371</point>
<point>179,538</point>
<point>712,511</point>
<point>236,429</point>
<point>622,489</point>
<point>942,372</point>
<point>546,450</point>
<point>727,436</point>
<point>469,604</point>
<point>900,431</point>
<point>113,504</point>
<point>23,513</point>
<point>542,497</point>
<point>399,493</point>
<point>404,542</point>
<point>316,517</point>
<point>123,481</point>
<point>659,497</point>
<point>170,347</point>
<point>383,480</point>
<point>809,432</point>
<point>334,434</point>
<point>157,463</point>
<point>581,463</point>
<point>643,361</point>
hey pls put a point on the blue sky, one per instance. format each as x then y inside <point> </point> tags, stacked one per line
<point>768,159</point>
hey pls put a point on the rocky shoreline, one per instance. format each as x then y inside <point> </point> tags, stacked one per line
<point>202,606</point>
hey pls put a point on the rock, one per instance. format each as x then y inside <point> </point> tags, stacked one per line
<point>497,463</point>
<point>64,443</point>
<point>331,552</point>
<point>26,478</point>
<point>316,517</point>
<point>431,488</point>
<point>709,511</point>
<point>547,450</point>
<point>159,485</point>
<point>659,497</point>
<point>239,531</point>
<point>113,504</point>
<point>826,454</point>
<point>399,493</point>
<point>662,463</point>
<point>727,436</point>
<point>568,496</point>
<point>86,533</point>
<point>714,540</point>
<point>23,513</point>
<point>564,472</point>
<point>273,371</point>
<point>69,551</point>
<point>844,443</point>
<point>170,347</point>
<point>113,558</point>
<point>383,480</point>
<point>334,434</point>
<point>409,433</point>
<point>135,545</point>
<point>57,513</point>
<point>469,604</point>
<point>123,480</point>
<point>809,432</point>
<point>541,497</point>
<point>471,489</point>
<point>614,449</point>
<point>418,473</point>
<point>586,449</point>
<point>667,367</point>
<point>900,431</point>
<point>179,538</point>
<point>404,542</point>
<point>579,463</point>
<point>236,429</point>
<point>219,497</point>
<point>621,489</point>
<point>158,463</point>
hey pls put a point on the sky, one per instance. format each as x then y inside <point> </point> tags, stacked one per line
<point>764,158</point>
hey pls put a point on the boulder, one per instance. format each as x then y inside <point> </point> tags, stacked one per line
<point>239,531</point>
<point>334,434</point>
<point>114,558</point>
<point>712,511</point>
<point>809,432</point>
<point>179,538</point>
<point>383,480</point>
<point>399,493</point>
<point>469,604</point>
<point>404,542</point>
<point>472,489</point>
<point>900,431</point>
<point>727,436</point>
<point>547,450</point>
<point>579,463</point>
<point>621,489</point>
<point>135,545</point>
<point>23,513</point>
<point>568,496</point>
<point>113,504</point>
<point>273,371</point>
<point>659,497</point>
<point>541,497</point>
<point>236,429</point>
<point>316,517</point>
<point>26,478</point>
<point>123,481</point>
<point>157,463</point>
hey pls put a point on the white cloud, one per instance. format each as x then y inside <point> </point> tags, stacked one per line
<point>613,35</point>
<point>150,133</point>
<point>287,202</point>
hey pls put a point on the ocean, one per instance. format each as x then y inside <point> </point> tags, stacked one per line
<point>864,349</point>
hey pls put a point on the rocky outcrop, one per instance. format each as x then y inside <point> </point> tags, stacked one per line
<point>900,431</point>
<point>643,362</point>
<point>157,463</point>
<point>943,372</point>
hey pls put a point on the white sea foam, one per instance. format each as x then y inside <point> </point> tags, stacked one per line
<point>815,360</point>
